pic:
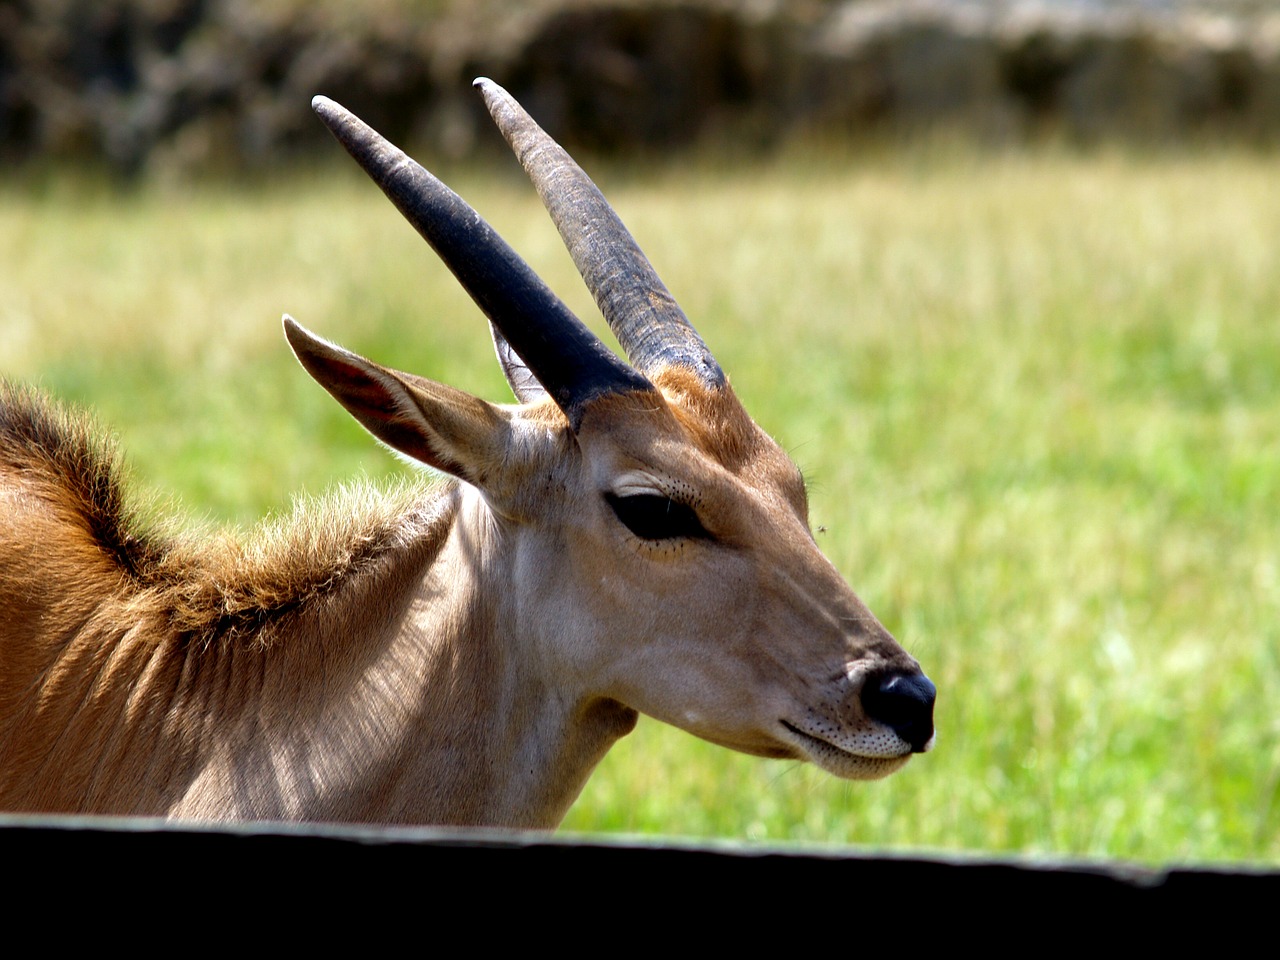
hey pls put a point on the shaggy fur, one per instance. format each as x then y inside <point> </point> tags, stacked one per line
<point>132,654</point>
<point>58,466</point>
<point>459,657</point>
<point>465,657</point>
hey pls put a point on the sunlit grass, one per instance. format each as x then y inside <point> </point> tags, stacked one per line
<point>1036,397</point>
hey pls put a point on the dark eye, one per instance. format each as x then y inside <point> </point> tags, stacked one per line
<point>651,516</point>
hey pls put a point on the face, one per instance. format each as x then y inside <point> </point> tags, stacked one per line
<point>686,575</point>
<point>662,554</point>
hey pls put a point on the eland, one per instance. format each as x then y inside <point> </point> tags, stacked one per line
<point>623,540</point>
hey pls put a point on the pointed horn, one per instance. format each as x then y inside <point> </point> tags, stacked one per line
<point>647,321</point>
<point>519,377</point>
<point>567,358</point>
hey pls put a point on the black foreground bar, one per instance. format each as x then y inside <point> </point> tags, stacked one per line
<point>347,869</point>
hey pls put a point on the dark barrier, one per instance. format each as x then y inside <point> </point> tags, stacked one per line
<point>342,873</point>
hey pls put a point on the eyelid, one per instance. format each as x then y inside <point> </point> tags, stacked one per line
<point>637,484</point>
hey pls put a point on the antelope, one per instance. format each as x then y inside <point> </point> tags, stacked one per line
<point>624,539</point>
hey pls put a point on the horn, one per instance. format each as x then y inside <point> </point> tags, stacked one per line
<point>643,315</point>
<point>566,358</point>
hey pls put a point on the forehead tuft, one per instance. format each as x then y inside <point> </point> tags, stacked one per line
<point>710,420</point>
<point>715,419</point>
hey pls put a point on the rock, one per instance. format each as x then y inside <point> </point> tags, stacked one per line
<point>180,85</point>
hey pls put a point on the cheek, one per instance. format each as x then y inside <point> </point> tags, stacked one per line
<point>681,593</point>
<point>622,595</point>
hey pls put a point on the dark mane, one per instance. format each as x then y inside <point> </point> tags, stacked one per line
<point>207,583</point>
<point>51,447</point>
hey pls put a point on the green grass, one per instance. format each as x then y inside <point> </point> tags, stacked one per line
<point>1037,397</point>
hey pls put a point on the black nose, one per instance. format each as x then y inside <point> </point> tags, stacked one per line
<point>903,701</point>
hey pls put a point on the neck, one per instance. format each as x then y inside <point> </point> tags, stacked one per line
<point>413,694</point>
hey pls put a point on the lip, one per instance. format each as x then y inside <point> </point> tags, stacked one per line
<point>850,764</point>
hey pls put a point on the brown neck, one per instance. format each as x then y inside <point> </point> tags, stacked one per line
<point>407,690</point>
<point>422,701</point>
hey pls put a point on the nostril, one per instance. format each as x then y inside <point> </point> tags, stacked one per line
<point>905,703</point>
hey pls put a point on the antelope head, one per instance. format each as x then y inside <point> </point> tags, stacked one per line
<point>647,543</point>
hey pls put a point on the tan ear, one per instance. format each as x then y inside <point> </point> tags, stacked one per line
<point>428,421</point>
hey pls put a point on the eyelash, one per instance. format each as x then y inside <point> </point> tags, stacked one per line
<point>651,516</point>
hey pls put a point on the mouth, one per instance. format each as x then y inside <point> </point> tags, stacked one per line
<point>870,756</point>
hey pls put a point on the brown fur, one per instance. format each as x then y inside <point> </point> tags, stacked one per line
<point>714,419</point>
<point>205,586</point>
<point>463,657</point>
<point>458,657</point>
<point>124,643</point>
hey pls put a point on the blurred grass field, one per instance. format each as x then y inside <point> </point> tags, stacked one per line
<point>1036,394</point>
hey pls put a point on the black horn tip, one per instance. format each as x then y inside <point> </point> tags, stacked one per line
<point>342,123</point>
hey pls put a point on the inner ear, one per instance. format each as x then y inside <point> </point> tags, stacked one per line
<point>433,423</point>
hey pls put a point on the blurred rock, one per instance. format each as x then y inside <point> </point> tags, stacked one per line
<point>182,85</point>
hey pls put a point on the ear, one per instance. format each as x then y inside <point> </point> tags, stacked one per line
<point>430,422</point>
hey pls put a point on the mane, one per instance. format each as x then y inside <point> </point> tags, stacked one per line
<point>50,447</point>
<point>207,583</point>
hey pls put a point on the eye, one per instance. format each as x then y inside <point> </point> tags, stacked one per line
<point>652,516</point>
